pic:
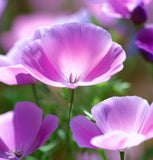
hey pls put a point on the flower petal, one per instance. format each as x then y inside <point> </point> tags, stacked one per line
<point>27,122</point>
<point>38,65</point>
<point>112,11</point>
<point>7,137</point>
<point>2,6</point>
<point>4,61</point>
<point>11,70</point>
<point>3,149</point>
<point>48,126</point>
<point>74,42</point>
<point>83,131</point>
<point>108,66</point>
<point>144,41</point>
<point>121,113</point>
<point>147,126</point>
<point>117,140</point>
<point>15,75</point>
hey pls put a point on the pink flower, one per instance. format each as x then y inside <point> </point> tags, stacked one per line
<point>2,6</point>
<point>11,70</point>
<point>72,55</point>
<point>121,123</point>
<point>23,131</point>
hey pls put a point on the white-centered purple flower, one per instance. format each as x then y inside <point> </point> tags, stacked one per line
<point>72,55</point>
<point>121,123</point>
<point>22,131</point>
<point>144,42</point>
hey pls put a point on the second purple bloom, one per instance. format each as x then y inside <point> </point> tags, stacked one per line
<point>121,123</point>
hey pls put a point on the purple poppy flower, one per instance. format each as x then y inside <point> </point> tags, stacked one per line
<point>2,6</point>
<point>23,131</point>
<point>72,55</point>
<point>134,9</point>
<point>121,123</point>
<point>144,42</point>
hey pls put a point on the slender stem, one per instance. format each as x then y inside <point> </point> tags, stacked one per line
<point>151,69</point>
<point>70,109</point>
<point>35,94</point>
<point>69,140</point>
<point>122,155</point>
<point>102,154</point>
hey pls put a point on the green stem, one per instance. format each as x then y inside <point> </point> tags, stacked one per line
<point>70,109</point>
<point>151,69</point>
<point>69,140</point>
<point>122,155</point>
<point>102,154</point>
<point>35,94</point>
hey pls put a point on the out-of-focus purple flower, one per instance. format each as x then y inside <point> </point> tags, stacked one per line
<point>134,9</point>
<point>88,156</point>
<point>139,14</point>
<point>11,70</point>
<point>121,123</point>
<point>144,41</point>
<point>103,18</point>
<point>2,6</point>
<point>23,131</point>
<point>24,27</point>
<point>72,55</point>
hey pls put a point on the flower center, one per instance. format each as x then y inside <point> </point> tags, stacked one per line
<point>13,154</point>
<point>73,79</point>
<point>18,154</point>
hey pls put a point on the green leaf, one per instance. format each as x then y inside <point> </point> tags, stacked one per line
<point>48,147</point>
